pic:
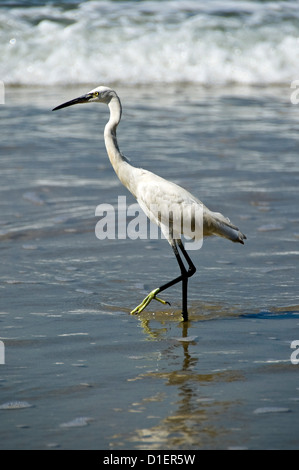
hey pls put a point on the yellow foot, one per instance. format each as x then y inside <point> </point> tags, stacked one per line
<point>147,300</point>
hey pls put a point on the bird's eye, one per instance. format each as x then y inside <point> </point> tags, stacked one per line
<point>96,93</point>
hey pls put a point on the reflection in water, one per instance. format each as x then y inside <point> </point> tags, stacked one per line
<point>192,418</point>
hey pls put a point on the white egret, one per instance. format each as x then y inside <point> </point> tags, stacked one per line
<point>162,201</point>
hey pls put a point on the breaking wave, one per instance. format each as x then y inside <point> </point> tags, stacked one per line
<point>140,42</point>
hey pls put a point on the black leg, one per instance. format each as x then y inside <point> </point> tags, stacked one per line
<point>190,272</point>
<point>192,268</point>
<point>183,277</point>
<point>184,298</point>
<point>182,268</point>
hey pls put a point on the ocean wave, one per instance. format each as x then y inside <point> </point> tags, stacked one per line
<point>209,43</point>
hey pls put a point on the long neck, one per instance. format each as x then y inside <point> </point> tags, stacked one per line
<point>120,164</point>
<point>114,154</point>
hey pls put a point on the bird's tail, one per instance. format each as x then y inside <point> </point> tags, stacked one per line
<point>223,227</point>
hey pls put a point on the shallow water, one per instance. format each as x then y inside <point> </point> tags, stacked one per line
<point>79,371</point>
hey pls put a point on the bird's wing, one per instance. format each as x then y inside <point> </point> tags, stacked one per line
<point>170,206</point>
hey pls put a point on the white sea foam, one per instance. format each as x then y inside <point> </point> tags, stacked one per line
<point>77,422</point>
<point>15,405</point>
<point>141,42</point>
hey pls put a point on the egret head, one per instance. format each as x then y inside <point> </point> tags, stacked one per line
<point>101,94</point>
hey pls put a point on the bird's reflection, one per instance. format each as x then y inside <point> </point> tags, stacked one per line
<point>190,420</point>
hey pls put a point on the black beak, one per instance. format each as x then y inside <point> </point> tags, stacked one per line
<point>81,99</point>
